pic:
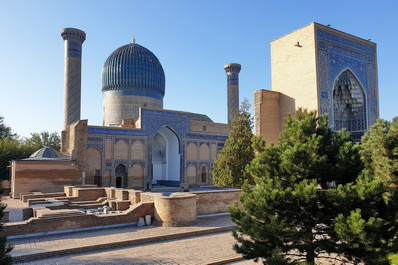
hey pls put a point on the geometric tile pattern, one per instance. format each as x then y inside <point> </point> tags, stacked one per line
<point>151,122</point>
<point>336,54</point>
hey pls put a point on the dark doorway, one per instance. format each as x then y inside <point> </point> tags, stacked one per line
<point>121,176</point>
<point>118,182</point>
<point>97,178</point>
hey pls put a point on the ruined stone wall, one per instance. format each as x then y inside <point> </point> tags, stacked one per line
<point>210,202</point>
<point>178,209</point>
<point>42,225</point>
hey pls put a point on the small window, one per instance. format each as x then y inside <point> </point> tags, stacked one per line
<point>203,174</point>
<point>98,172</point>
<point>204,128</point>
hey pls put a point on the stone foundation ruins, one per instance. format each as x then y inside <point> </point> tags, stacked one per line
<point>80,207</point>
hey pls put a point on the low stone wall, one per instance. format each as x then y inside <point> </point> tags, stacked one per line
<point>27,213</point>
<point>149,196</point>
<point>178,209</point>
<point>210,202</point>
<point>88,194</point>
<point>42,225</point>
<point>68,190</point>
<point>26,197</point>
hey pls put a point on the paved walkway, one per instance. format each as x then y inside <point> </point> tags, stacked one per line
<point>205,249</point>
<point>15,207</point>
<point>61,244</point>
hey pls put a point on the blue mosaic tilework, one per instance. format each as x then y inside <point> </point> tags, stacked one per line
<point>124,139</point>
<point>171,183</point>
<point>151,122</point>
<point>74,49</point>
<point>336,54</point>
<point>344,42</point>
<point>137,92</point>
<point>99,146</point>
<point>134,70</point>
<point>356,136</point>
<point>94,139</point>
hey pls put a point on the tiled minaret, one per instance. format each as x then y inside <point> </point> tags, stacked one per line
<point>74,39</point>
<point>232,70</point>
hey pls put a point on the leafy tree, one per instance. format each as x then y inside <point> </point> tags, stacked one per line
<point>5,131</point>
<point>12,149</point>
<point>5,257</point>
<point>380,150</point>
<point>229,168</point>
<point>291,216</point>
<point>44,138</point>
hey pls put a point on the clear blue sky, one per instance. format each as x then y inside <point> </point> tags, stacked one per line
<point>192,39</point>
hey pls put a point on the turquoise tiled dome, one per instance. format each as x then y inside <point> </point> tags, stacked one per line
<point>134,70</point>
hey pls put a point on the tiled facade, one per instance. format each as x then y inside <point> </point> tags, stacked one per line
<point>338,53</point>
<point>206,145</point>
<point>319,68</point>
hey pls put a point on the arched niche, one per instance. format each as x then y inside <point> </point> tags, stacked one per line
<point>121,150</point>
<point>204,152</point>
<point>93,166</point>
<point>107,179</point>
<point>349,103</point>
<point>137,150</point>
<point>166,158</point>
<point>191,175</point>
<point>192,152</point>
<point>136,178</point>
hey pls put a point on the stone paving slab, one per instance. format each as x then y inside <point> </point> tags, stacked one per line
<point>15,207</point>
<point>33,248</point>
<point>205,249</point>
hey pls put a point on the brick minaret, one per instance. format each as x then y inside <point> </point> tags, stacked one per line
<point>74,39</point>
<point>232,70</point>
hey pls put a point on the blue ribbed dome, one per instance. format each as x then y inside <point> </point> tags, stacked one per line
<point>134,70</point>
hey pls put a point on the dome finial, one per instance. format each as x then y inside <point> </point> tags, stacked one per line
<point>133,39</point>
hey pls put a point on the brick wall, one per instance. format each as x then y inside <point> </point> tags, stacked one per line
<point>210,202</point>
<point>43,176</point>
<point>42,225</point>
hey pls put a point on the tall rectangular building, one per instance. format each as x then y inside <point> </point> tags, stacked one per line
<point>323,69</point>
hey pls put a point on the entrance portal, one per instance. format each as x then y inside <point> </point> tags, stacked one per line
<point>349,103</point>
<point>165,158</point>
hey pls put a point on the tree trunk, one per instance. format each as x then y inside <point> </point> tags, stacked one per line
<point>310,256</point>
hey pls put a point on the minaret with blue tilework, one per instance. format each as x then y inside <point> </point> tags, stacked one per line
<point>232,70</point>
<point>73,39</point>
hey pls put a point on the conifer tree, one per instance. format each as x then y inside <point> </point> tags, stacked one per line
<point>380,150</point>
<point>229,168</point>
<point>5,257</point>
<point>291,217</point>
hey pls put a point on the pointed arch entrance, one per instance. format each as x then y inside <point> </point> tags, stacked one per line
<point>166,158</point>
<point>349,103</point>
<point>121,176</point>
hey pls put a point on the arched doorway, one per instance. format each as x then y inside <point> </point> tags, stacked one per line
<point>93,166</point>
<point>165,158</point>
<point>349,103</point>
<point>121,176</point>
